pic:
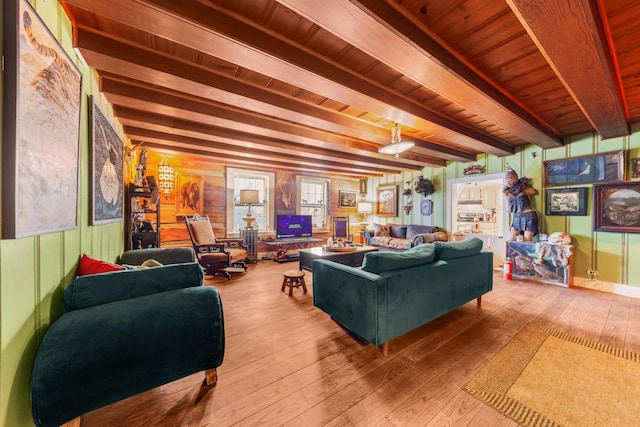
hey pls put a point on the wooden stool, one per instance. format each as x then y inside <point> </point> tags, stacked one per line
<point>293,279</point>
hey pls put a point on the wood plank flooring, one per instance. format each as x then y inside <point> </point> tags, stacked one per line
<point>288,364</point>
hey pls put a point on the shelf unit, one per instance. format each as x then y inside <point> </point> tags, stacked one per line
<point>142,201</point>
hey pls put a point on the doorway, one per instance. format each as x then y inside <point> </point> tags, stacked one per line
<point>477,208</point>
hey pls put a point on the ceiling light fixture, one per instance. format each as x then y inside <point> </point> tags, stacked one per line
<point>397,146</point>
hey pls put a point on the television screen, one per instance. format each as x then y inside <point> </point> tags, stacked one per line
<point>293,226</point>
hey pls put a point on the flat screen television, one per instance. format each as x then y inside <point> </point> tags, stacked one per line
<point>293,226</point>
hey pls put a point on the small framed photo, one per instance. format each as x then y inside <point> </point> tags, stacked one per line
<point>426,207</point>
<point>388,200</point>
<point>567,201</point>
<point>617,207</point>
<point>347,199</point>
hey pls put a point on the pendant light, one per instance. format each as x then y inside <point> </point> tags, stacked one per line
<point>397,146</point>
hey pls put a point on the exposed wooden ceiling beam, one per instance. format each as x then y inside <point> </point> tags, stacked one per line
<point>589,73</point>
<point>226,36</point>
<point>379,29</point>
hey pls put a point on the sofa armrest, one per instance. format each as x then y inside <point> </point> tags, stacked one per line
<point>96,289</point>
<point>367,237</point>
<point>438,236</point>
<point>162,255</point>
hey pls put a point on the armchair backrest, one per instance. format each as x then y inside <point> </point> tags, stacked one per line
<point>341,227</point>
<point>200,230</point>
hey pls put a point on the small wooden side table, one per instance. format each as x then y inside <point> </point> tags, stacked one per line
<point>293,279</point>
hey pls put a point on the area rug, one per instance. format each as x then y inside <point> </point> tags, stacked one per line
<point>549,378</point>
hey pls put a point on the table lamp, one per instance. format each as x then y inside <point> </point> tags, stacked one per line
<point>249,197</point>
<point>364,208</point>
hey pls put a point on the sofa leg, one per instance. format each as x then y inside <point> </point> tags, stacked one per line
<point>384,348</point>
<point>73,423</point>
<point>211,376</point>
<point>479,299</point>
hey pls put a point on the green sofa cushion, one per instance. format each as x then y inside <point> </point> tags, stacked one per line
<point>379,262</point>
<point>462,248</point>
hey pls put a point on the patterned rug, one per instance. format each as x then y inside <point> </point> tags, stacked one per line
<point>548,378</point>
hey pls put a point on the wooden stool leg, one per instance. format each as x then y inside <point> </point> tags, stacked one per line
<point>284,282</point>
<point>304,285</point>
<point>291,286</point>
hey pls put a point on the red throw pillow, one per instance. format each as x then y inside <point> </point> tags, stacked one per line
<point>90,265</point>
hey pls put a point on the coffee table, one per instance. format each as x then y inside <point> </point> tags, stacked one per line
<point>352,258</point>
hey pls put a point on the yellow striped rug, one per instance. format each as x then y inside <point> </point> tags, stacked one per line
<point>549,378</point>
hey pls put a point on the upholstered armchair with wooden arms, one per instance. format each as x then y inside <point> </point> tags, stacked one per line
<point>217,256</point>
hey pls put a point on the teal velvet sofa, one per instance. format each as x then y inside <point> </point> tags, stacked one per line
<point>125,332</point>
<point>396,292</point>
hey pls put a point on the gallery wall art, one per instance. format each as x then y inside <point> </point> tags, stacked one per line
<point>616,207</point>
<point>388,200</point>
<point>593,168</point>
<point>107,165</point>
<point>189,194</point>
<point>41,128</point>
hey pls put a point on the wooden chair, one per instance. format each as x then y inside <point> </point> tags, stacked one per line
<point>218,257</point>
<point>341,228</point>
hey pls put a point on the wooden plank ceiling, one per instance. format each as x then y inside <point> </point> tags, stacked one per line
<point>316,86</point>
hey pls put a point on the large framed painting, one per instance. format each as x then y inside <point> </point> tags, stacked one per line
<point>593,168</point>
<point>388,200</point>
<point>567,201</point>
<point>107,165</point>
<point>616,207</point>
<point>41,128</point>
<point>189,194</point>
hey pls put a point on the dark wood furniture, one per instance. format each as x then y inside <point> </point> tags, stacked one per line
<point>293,279</point>
<point>353,258</point>
<point>142,218</point>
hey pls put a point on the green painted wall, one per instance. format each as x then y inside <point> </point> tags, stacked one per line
<point>609,253</point>
<point>35,270</point>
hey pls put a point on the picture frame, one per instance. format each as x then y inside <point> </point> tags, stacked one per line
<point>426,207</point>
<point>41,128</point>
<point>635,168</point>
<point>616,207</point>
<point>387,200</point>
<point>566,201</point>
<point>593,168</point>
<point>189,194</point>
<point>347,199</point>
<point>107,168</point>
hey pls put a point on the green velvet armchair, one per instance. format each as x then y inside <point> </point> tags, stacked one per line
<point>125,332</point>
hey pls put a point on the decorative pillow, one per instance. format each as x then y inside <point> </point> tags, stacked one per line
<point>413,230</point>
<point>382,230</point>
<point>202,233</point>
<point>379,262</point>
<point>398,230</point>
<point>459,249</point>
<point>89,265</point>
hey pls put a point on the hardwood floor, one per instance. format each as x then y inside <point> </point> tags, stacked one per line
<point>287,363</point>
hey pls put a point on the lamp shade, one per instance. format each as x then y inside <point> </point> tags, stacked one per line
<point>249,197</point>
<point>365,207</point>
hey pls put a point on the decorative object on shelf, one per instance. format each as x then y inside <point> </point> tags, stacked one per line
<point>424,186</point>
<point>249,197</point>
<point>142,218</point>
<point>388,200</point>
<point>426,207</point>
<point>364,209</point>
<point>397,146</point>
<point>567,201</point>
<point>189,197</point>
<point>617,207</point>
<point>347,199</point>
<point>107,150</point>
<point>473,170</point>
<point>165,178</point>
<point>41,130</point>
<point>593,168</point>
<point>285,183</point>
<point>141,169</point>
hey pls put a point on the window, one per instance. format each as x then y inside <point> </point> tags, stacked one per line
<point>242,179</point>
<point>314,199</point>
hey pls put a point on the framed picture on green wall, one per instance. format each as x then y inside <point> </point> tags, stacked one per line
<point>593,168</point>
<point>616,207</point>
<point>566,201</point>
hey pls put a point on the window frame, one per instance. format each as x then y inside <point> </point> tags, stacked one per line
<point>327,189</point>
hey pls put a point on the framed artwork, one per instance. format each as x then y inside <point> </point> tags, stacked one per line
<point>426,207</point>
<point>387,200</point>
<point>617,207</point>
<point>567,201</point>
<point>635,170</point>
<point>41,128</point>
<point>593,168</point>
<point>107,188</point>
<point>347,199</point>
<point>189,194</point>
